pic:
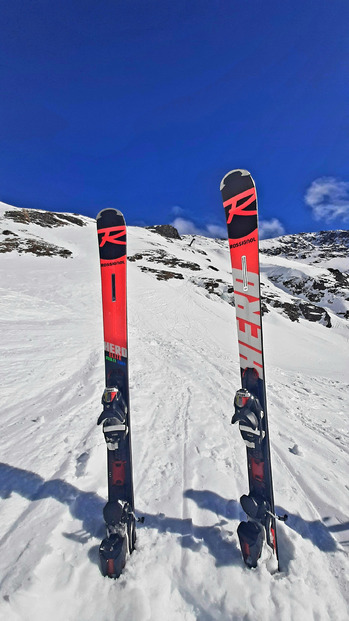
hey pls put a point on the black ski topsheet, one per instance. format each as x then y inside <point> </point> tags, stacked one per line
<point>240,204</point>
<point>113,262</point>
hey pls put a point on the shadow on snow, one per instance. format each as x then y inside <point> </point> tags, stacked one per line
<point>217,540</point>
<point>316,531</point>
<point>88,506</point>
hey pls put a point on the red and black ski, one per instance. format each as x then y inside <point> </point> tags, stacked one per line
<point>240,204</point>
<point>119,511</point>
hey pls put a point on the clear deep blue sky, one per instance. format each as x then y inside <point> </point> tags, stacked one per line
<point>145,105</point>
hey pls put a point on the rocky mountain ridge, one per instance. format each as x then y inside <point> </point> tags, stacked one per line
<point>303,276</point>
<point>297,278</point>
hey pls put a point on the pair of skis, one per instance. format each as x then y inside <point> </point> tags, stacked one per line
<point>240,203</point>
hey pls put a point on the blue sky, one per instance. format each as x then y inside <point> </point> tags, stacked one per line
<point>144,105</point>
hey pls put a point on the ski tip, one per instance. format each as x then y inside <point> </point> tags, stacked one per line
<point>117,212</point>
<point>238,171</point>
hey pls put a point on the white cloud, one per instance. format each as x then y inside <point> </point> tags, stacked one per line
<point>188,227</point>
<point>328,199</point>
<point>214,230</point>
<point>267,228</point>
<point>177,211</point>
<point>270,228</point>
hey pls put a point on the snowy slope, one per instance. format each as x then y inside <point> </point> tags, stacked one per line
<point>189,462</point>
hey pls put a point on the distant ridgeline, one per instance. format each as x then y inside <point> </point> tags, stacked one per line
<point>304,276</point>
<point>311,291</point>
<point>303,286</point>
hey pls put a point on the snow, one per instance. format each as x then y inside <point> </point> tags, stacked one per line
<point>189,462</point>
<point>244,173</point>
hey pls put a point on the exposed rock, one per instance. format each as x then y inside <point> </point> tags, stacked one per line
<point>166,230</point>
<point>341,278</point>
<point>160,256</point>
<point>295,310</point>
<point>162,274</point>
<point>315,313</point>
<point>292,311</point>
<point>48,219</point>
<point>320,245</point>
<point>212,285</point>
<point>34,246</point>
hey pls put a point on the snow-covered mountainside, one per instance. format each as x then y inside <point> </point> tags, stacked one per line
<point>189,462</point>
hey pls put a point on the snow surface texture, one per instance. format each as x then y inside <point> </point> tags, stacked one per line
<point>189,462</point>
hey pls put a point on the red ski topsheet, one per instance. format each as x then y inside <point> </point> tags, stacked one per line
<point>113,276</point>
<point>240,204</point>
<point>112,249</point>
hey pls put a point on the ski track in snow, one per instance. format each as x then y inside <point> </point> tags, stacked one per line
<point>189,462</point>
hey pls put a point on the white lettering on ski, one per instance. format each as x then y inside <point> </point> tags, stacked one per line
<point>248,319</point>
<point>116,350</point>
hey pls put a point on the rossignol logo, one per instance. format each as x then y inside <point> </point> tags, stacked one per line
<point>111,263</point>
<point>248,319</point>
<point>115,350</point>
<point>242,243</point>
<point>112,235</point>
<point>235,210</point>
